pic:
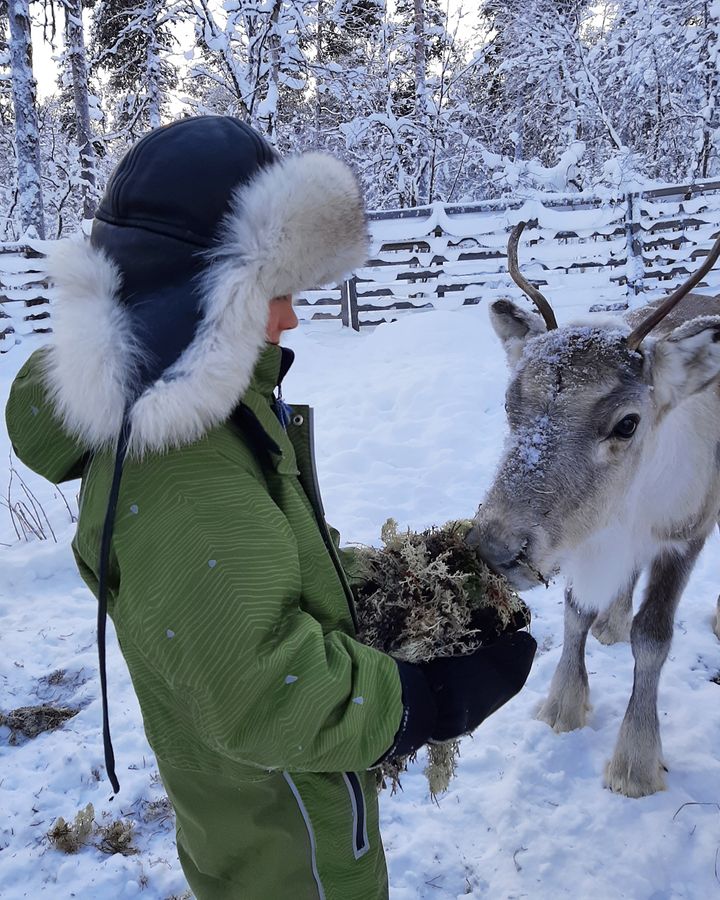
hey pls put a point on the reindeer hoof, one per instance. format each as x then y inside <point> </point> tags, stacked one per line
<point>632,780</point>
<point>563,715</point>
<point>610,631</point>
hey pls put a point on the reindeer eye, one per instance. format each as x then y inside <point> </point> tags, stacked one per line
<point>626,427</point>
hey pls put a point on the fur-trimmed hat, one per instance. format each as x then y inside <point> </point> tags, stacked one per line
<point>161,316</point>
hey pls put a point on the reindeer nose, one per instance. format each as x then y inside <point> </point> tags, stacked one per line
<point>496,545</point>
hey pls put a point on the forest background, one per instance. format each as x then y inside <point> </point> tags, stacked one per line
<point>428,100</point>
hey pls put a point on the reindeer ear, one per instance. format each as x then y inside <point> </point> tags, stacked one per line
<point>514,326</point>
<point>687,360</point>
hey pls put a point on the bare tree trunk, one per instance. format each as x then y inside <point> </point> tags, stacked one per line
<point>519,130</point>
<point>75,40</point>
<point>230,64</point>
<point>152,66</point>
<point>422,117</point>
<point>712,86</point>
<point>27,138</point>
<point>252,67</point>
<point>320,60</point>
<point>268,117</point>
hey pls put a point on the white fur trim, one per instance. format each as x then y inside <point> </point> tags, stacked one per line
<point>93,356</point>
<point>298,224</point>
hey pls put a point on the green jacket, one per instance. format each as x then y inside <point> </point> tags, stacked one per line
<point>235,618</point>
<point>229,601</point>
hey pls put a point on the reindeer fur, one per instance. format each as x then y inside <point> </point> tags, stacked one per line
<point>572,496</point>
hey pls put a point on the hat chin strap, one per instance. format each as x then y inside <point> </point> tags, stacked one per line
<point>108,524</point>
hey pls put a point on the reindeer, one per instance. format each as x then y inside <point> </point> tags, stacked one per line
<point>612,467</point>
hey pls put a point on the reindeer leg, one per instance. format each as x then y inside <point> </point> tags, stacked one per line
<point>612,626</point>
<point>716,623</point>
<point>568,702</point>
<point>636,768</point>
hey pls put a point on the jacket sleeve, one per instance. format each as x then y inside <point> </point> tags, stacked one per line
<point>223,623</point>
<point>36,434</point>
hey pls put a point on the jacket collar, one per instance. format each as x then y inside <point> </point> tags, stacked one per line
<point>255,415</point>
<point>272,366</point>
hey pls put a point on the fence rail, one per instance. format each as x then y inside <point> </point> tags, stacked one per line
<point>584,253</point>
<point>24,294</point>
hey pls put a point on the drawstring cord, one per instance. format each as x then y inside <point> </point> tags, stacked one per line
<point>282,409</point>
<point>105,543</point>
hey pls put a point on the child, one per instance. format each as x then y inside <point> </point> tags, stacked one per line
<point>201,527</point>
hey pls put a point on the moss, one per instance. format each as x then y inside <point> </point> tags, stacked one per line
<point>70,838</point>
<point>441,765</point>
<point>428,594</point>
<point>116,837</point>
<point>157,810</point>
<point>31,721</point>
<point>424,595</point>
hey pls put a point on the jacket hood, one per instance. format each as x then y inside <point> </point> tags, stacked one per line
<point>164,325</point>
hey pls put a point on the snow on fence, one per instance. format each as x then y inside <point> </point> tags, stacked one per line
<point>583,252</point>
<point>24,294</point>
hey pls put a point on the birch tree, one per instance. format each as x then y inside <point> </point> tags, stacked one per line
<point>703,45</point>
<point>27,138</point>
<point>8,188</point>
<point>422,106</point>
<point>77,63</point>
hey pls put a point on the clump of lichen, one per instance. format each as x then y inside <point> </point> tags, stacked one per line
<point>116,837</point>
<point>441,765</point>
<point>30,721</point>
<point>70,837</point>
<point>428,594</point>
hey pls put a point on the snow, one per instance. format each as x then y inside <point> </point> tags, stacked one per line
<point>409,424</point>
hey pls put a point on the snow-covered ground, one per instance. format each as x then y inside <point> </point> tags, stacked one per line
<point>409,424</point>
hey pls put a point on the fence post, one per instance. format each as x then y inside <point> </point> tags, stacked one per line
<point>348,304</point>
<point>635,265</point>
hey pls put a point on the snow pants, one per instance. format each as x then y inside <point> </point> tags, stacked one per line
<point>281,837</point>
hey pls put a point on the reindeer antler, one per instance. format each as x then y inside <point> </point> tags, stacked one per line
<point>636,337</point>
<point>532,292</point>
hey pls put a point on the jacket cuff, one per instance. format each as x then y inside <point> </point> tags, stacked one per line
<point>419,713</point>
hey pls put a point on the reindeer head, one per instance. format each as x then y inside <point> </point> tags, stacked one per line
<point>586,408</point>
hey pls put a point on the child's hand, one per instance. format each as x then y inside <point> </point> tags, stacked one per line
<point>450,696</point>
<point>467,689</point>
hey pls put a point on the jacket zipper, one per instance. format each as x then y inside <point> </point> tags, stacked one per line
<point>360,841</point>
<point>316,502</point>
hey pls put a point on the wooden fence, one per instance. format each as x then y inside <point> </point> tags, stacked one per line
<point>584,253</point>
<point>24,294</point>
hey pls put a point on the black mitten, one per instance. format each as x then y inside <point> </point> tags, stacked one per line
<point>451,696</point>
<point>468,689</point>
